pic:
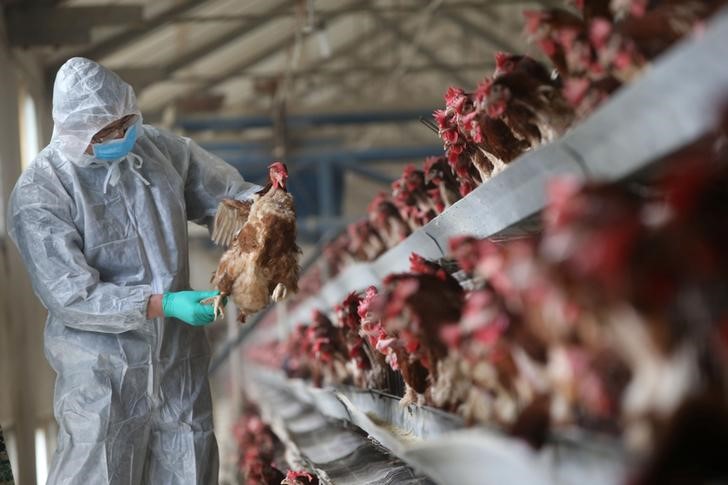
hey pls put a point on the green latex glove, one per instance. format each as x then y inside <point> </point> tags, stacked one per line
<point>187,306</point>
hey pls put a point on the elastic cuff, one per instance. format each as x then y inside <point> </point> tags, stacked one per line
<point>144,295</point>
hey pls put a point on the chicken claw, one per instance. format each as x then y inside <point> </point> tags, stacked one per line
<point>280,292</point>
<point>217,305</point>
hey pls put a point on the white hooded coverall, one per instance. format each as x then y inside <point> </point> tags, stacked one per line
<point>132,398</point>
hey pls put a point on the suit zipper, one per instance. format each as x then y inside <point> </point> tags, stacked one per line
<point>156,357</point>
<point>153,384</point>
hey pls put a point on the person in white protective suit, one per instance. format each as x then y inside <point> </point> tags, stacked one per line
<point>100,218</point>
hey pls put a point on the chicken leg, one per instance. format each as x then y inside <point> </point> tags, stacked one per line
<point>217,304</point>
<point>280,292</point>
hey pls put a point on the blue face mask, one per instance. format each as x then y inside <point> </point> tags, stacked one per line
<point>116,149</point>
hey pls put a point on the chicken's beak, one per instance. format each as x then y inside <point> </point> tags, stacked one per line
<point>281,181</point>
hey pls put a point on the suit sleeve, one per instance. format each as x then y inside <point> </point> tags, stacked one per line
<point>42,228</point>
<point>209,180</point>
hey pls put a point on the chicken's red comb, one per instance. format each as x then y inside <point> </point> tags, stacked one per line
<point>533,20</point>
<point>483,90</point>
<point>466,187</point>
<point>416,261</point>
<point>376,202</point>
<point>369,295</point>
<point>442,118</point>
<point>599,32</point>
<point>420,265</point>
<point>432,162</point>
<point>501,58</point>
<point>279,167</point>
<point>452,94</point>
<point>459,241</point>
<point>575,90</point>
<point>466,251</point>
<point>410,169</point>
<point>451,335</point>
<point>295,477</point>
<point>548,46</point>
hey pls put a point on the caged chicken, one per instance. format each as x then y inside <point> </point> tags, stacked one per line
<point>257,445</point>
<point>365,244</point>
<point>516,109</point>
<point>411,309</point>
<point>611,42</point>
<point>387,220</point>
<point>442,185</point>
<point>368,366</point>
<point>410,196</point>
<point>300,478</point>
<point>261,263</point>
<point>329,351</point>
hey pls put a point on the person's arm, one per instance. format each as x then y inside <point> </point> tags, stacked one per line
<point>154,308</point>
<point>192,307</point>
<point>50,244</point>
<point>209,180</point>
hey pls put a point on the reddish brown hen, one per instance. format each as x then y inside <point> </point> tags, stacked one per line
<point>261,265</point>
<point>411,309</point>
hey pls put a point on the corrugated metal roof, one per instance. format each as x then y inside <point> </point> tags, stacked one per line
<point>268,38</point>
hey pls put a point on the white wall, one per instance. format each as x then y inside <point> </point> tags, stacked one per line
<point>26,380</point>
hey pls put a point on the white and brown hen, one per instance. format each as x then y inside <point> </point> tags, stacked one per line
<point>261,263</point>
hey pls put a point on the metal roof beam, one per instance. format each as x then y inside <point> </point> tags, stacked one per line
<point>346,49</point>
<point>349,49</point>
<point>366,172</point>
<point>43,25</point>
<point>122,40</point>
<point>225,39</point>
<point>434,59</point>
<point>372,155</point>
<point>281,44</point>
<point>480,31</point>
<point>156,74</point>
<point>353,51</point>
<point>139,77</point>
<point>303,120</point>
<point>270,50</point>
<point>360,7</point>
<point>374,70</point>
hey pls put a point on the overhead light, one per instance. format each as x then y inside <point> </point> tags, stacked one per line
<point>310,18</point>
<point>323,41</point>
<point>317,26</point>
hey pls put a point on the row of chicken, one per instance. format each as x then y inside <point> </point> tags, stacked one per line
<point>259,448</point>
<point>615,319</point>
<point>417,197</point>
<point>607,43</point>
<point>594,46</point>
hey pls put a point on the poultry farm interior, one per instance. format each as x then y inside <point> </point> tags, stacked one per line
<point>592,343</point>
<point>486,243</point>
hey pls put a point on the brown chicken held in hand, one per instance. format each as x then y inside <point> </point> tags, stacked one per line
<point>261,265</point>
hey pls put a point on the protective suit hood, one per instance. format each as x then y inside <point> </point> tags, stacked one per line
<point>86,98</point>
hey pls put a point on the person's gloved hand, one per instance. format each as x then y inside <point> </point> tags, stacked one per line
<point>188,307</point>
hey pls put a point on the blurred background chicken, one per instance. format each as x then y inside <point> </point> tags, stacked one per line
<point>366,365</point>
<point>300,478</point>
<point>257,446</point>
<point>261,264</point>
<point>411,309</point>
